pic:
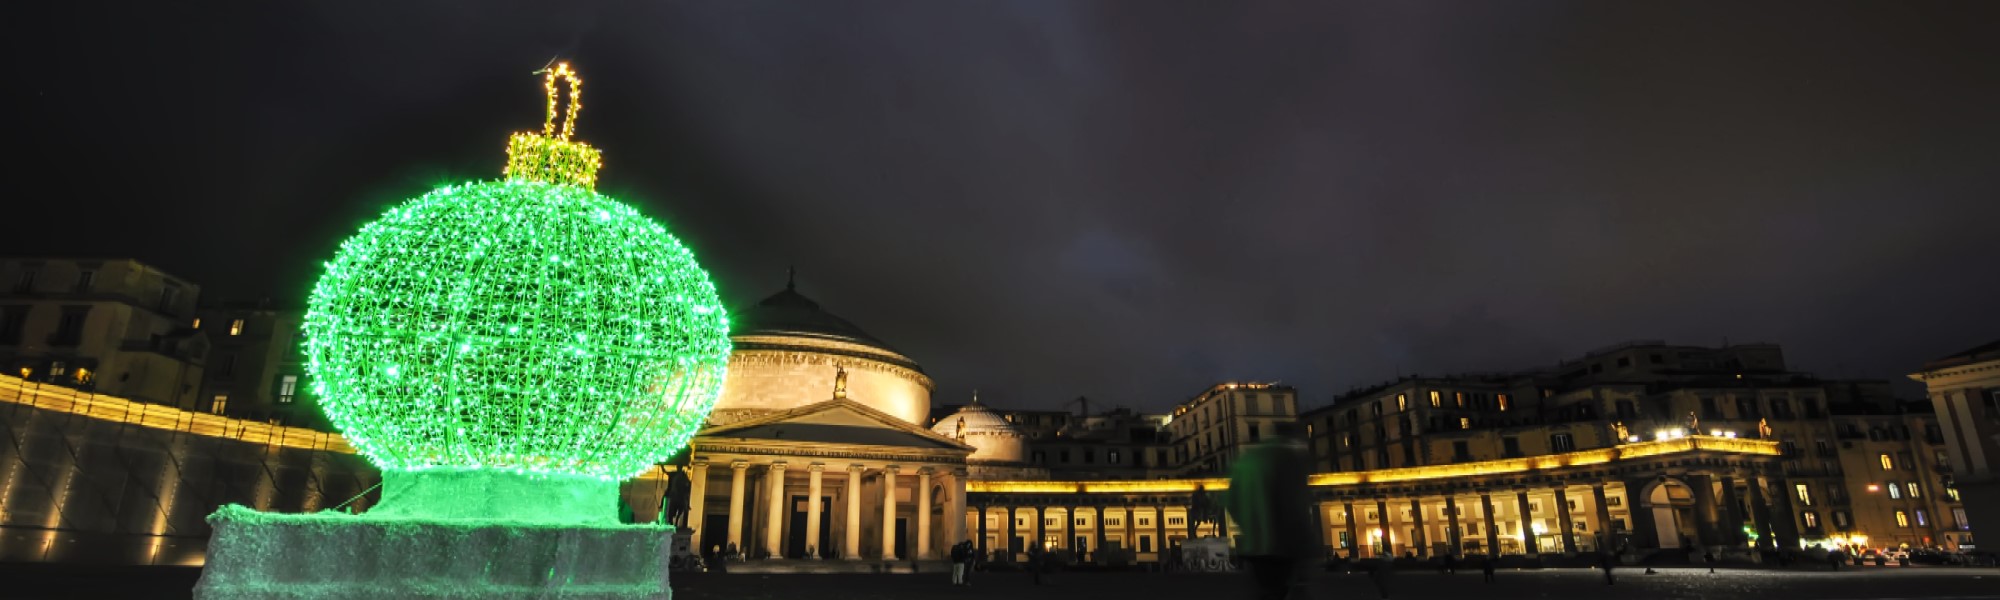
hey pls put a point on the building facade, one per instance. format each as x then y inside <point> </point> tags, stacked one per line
<point>1211,429</point>
<point>256,365</point>
<point>1964,391</point>
<point>110,326</point>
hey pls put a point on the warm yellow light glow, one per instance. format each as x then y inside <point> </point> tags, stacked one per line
<point>119,410</point>
<point>551,156</point>
<point>1491,467</point>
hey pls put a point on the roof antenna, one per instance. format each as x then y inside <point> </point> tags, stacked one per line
<point>791,279</point>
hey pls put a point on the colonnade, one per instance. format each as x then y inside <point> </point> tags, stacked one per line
<point>869,499</point>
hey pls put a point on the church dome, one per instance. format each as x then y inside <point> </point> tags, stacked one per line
<point>994,439</point>
<point>789,352</point>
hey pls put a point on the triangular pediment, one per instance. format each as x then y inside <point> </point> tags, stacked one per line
<point>837,421</point>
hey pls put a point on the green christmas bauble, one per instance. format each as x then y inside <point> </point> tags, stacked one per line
<point>516,326</point>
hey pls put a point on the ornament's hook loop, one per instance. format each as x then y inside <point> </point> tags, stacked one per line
<point>564,71</point>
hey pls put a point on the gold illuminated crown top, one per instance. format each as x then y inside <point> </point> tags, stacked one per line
<point>551,156</point>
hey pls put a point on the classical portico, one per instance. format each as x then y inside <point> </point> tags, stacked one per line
<point>833,480</point>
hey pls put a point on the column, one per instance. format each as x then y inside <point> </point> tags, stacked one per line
<point>774,523</point>
<point>1069,530</point>
<point>1319,527</point>
<point>1732,514</point>
<point>1452,533</point>
<point>1604,542</point>
<point>1100,536</point>
<point>1785,527</point>
<point>813,507</point>
<point>697,502</point>
<point>889,511</point>
<point>1382,523</point>
<point>1132,531</point>
<point>1529,545</point>
<point>1492,537</point>
<point>954,531</point>
<point>1563,521</point>
<point>924,514</point>
<point>1704,510</point>
<point>1421,540</point>
<point>736,502</point>
<point>982,529</point>
<point>1354,537</point>
<point>1012,534</point>
<point>1041,526</point>
<point>1761,514</point>
<point>851,549</point>
<point>1160,533</point>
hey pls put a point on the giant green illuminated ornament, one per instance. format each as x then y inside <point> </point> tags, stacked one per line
<point>522,327</point>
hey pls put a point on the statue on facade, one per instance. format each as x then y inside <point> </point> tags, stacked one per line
<point>1619,431</point>
<point>674,504</point>
<point>1694,423</point>
<point>1764,428</point>
<point>840,382</point>
<point>1203,508</point>
<point>959,430</point>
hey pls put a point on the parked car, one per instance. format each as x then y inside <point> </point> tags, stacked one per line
<point>1930,557</point>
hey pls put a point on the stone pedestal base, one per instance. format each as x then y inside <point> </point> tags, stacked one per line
<point>339,556</point>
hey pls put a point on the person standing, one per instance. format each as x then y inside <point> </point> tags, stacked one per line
<point>958,564</point>
<point>1035,555</point>
<point>1604,561</point>
<point>1267,498</point>
<point>1486,567</point>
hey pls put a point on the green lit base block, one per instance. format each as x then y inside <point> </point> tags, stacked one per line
<point>340,556</point>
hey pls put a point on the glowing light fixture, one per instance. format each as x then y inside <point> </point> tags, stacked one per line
<point>529,325</point>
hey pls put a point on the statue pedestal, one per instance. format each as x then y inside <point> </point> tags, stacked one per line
<point>332,555</point>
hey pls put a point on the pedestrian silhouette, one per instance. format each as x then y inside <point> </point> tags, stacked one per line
<point>1267,498</point>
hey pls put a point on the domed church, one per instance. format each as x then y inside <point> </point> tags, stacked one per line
<point>816,449</point>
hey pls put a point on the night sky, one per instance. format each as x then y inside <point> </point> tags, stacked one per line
<point>1123,200</point>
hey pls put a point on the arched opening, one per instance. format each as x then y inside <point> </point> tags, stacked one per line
<point>1672,505</point>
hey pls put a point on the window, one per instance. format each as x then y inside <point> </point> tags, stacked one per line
<point>1503,402</point>
<point>1922,519</point>
<point>1460,450</point>
<point>1063,456</point>
<point>1656,359</point>
<point>1402,402</point>
<point>1512,445</point>
<point>169,295</point>
<point>1111,457</point>
<point>69,331</point>
<point>1902,518</point>
<point>1089,457</point>
<point>219,404</point>
<point>287,388</point>
<point>1895,491</point>
<point>1915,492</point>
<point>1840,519</point>
<point>1907,461</point>
<point>1810,518</point>
<point>84,279</point>
<point>1434,399</point>
<point>13,321</point>
<point>1628,410</point>
<point>1253,433</point>
<point>1887,463</point>
<point>1038,457</point>
<point>1952,493</point>
<point>1460,397</point>
<point>1176,521</point>
<point>226,366</point>
<point>236,327</point>
<point>1464,423</point>
<point>1958,516</point>
<point>27,281</point>
<point>1145,521</point>
<point>1561,442</point>
<point>1624,361</point>
<point>197,323</point>
<point>1805,493</point>
<point>1824,448</point>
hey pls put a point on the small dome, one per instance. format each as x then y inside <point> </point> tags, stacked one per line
<point>994,439</point>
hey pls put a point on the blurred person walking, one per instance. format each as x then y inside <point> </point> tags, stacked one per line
<point>1267,498</point>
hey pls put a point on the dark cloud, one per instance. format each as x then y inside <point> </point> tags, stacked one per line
<point>1124,200</point>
